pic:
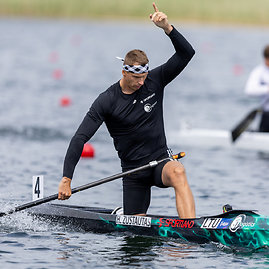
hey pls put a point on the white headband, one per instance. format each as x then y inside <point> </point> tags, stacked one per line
<point>137,69</point>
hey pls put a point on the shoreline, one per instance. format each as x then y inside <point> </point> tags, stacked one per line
<point>228,12</point>
<point>134,20</point>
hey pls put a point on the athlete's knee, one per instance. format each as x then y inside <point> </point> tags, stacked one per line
<point>178,176</point>
<point>179,171</point>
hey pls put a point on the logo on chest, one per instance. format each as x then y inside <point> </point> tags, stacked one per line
<point>148,107</point>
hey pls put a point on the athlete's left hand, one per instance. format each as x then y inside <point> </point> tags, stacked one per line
<point>160,19</point>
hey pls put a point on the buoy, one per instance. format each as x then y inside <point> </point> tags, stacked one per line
<point>57,74</point>
<point>88,151</point>
<point>65,101</point>
<point>238,69</point>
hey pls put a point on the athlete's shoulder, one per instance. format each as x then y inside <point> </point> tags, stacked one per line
<point>155,75</point>
<point>260,68</point>
<point>264,68</point>
<point>111,91</point>
<point>104,102</point>
<point>257,72</point>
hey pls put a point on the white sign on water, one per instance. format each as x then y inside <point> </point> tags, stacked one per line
<point>38,187</point>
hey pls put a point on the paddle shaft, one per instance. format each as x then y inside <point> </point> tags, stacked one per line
<point>90,185</point>
<point>243,125</point>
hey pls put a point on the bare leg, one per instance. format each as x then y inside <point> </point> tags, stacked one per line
<point>173,175</point>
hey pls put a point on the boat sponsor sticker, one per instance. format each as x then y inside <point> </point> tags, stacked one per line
<point>179,223</point>
<point>239,222</point>
<point>236,223</point>
<point>247,224</point>
<point>211,223</point>
<point>216,223</point>
<point>133,220</point>
<point>224,224</point>
<point>232,224</point>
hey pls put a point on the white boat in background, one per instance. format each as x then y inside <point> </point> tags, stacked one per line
<point>220,138</point>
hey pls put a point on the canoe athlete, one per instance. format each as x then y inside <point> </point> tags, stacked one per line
<point>132,110</point>
<point>258,85</point>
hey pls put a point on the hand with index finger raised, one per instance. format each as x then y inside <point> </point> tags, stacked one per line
<point>160,19</point>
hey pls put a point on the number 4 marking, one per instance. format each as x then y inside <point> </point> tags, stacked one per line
<point>38,186</point>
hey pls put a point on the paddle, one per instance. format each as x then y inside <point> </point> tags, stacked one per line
<point>90,185</point>
<point>243,125</point>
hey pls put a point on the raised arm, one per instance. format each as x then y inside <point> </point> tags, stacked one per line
<point>184,51</point>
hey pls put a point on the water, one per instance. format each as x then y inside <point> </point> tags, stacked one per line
<point>35,131</point>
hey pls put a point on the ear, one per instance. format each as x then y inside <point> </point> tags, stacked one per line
<point>123,73</point>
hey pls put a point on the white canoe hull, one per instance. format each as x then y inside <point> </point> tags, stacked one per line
<point>220,138</point>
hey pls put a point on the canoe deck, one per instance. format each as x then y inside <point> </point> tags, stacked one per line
<point>235,228</point>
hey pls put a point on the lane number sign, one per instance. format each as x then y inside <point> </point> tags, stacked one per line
<point>38,187</point>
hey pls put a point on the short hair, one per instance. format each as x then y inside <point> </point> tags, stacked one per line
<point>136,56</point>
<point>266,52</point>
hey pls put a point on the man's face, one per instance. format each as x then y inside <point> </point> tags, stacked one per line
<point>134,81</point>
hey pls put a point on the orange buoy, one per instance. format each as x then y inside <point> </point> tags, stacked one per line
<point>88,151</point>
<point>65,101</point>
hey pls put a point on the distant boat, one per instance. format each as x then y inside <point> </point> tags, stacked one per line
<point>250,140</point>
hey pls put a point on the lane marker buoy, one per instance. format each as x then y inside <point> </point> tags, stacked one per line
<point>65,101</point>
<point>88,151</point>
<point>57,74</point>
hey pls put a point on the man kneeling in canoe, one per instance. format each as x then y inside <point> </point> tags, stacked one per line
<point>132,110</point>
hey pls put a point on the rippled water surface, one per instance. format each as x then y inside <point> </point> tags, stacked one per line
<point>44,61</point>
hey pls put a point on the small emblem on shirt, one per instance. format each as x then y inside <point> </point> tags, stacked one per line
<point>134,102</point>
<point>148,107</point>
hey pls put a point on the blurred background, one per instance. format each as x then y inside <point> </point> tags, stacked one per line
<point>227,11</point>
<point>57,56</point>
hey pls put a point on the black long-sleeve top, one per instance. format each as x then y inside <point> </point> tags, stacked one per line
<point>134,121</point>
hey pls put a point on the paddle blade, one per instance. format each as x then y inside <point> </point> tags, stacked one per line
<point>243,125</point>
<point>179,155</point>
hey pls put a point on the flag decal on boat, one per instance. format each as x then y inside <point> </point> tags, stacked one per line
<point>211,223</point>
